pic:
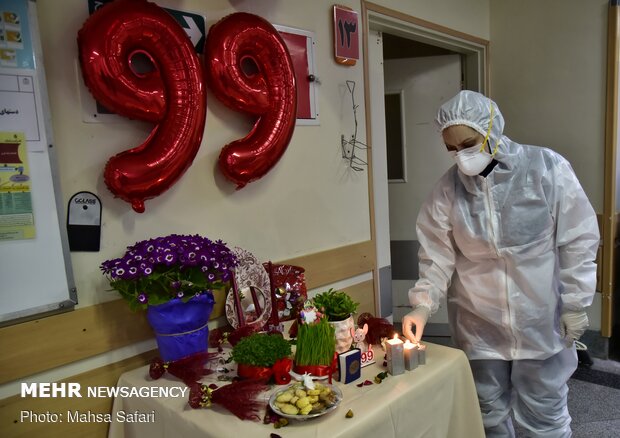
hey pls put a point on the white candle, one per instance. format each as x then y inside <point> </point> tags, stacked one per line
<point>395,356</point>
<point>421,354</point>
<point>411,355</point>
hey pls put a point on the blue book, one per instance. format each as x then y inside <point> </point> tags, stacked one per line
<point>350,365</point>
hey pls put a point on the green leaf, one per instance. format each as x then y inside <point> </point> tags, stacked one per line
<point>261,349</point>
<point>336,305</point>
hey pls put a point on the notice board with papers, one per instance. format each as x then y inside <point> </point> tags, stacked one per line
<point>35,271</point>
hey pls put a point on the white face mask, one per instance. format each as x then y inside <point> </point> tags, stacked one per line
<point>472,161</point>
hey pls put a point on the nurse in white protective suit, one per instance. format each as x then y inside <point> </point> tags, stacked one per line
<point>510,236</point>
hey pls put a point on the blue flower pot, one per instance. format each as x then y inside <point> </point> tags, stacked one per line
<point>181,328</point>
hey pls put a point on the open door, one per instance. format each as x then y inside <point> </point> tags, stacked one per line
<point>473,53</point>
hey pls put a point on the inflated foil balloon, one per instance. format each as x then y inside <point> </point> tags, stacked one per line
<point>266,90</point>
<point>172,95</point>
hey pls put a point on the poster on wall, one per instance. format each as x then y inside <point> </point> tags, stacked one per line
<point>20,104</point>
<point>16,216</point>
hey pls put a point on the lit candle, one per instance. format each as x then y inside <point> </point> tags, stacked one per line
<point>411,355</point>
<point>421,354</point>
<point>395,356</point>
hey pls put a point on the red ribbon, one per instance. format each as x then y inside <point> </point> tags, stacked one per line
<point>319,370</point>
<point>279,371</point>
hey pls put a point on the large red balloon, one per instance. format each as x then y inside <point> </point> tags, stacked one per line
<point>269,93</point>
<point>172,95</point>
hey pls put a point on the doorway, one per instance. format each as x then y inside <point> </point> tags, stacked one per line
<point>442,61</point>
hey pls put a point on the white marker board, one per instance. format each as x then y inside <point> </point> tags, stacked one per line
<point>35,272</point>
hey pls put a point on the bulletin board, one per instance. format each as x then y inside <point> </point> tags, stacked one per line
<point>35,270</point>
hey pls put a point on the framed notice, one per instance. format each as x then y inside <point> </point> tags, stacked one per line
<point>346,35</point>
<point>300,44</point>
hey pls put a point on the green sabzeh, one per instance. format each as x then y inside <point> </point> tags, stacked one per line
<point>261,350</point>
<point>315,343</point>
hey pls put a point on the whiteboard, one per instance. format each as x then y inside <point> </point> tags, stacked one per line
<point>35,272</point>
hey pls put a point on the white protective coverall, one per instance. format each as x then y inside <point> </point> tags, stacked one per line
<point>512,251</point>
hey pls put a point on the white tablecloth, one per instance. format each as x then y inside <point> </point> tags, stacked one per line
<point>434,400</point>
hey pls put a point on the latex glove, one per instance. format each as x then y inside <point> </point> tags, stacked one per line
<point>573,324</point>
<point>416,318</point>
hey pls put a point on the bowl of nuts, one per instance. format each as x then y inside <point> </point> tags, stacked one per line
<point>298,402</point>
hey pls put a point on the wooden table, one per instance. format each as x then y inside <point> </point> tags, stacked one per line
<point>434,400</point>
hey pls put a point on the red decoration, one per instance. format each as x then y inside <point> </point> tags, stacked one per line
<point>378,328</point>
<point>288,291</point>
<point>319,370</point>
<point>238,397</point>
<point>172,96</point>
<point>189,369</point>
<point>236,46</point>
<point>279,371</point>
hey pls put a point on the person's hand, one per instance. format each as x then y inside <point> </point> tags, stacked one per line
<point>573,324</point>
<point>416,318</point>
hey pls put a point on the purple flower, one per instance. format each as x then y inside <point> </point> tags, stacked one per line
<point>162,266</point>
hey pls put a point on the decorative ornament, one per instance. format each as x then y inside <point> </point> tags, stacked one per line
<point>289,291</point>
<point>172,95</point>
<point>249,69</point>
<point>378,328</point>
<point>240,398</point>
<point>280,371</point>
<point>190,369</point>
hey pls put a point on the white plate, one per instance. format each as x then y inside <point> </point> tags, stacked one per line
<point>279,391</point>
<point>249,272</point>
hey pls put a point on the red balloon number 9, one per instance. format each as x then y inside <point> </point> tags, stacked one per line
<point>172,95</point>
<point>250,70</point>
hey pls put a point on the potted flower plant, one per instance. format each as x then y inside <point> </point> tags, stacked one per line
<point>339,308</point>
<point>173,278</point>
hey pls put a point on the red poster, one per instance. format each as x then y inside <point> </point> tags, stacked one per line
<point>346,35</point>
<point>297,47</point>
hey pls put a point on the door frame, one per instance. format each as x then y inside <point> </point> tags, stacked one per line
<point>475,59</point>
<point>610,220</point>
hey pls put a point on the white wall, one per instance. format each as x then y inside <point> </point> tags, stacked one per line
<point>309,202</point>
<point>467,16</point>
<point>548,73</point>
<point>548,76</point>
